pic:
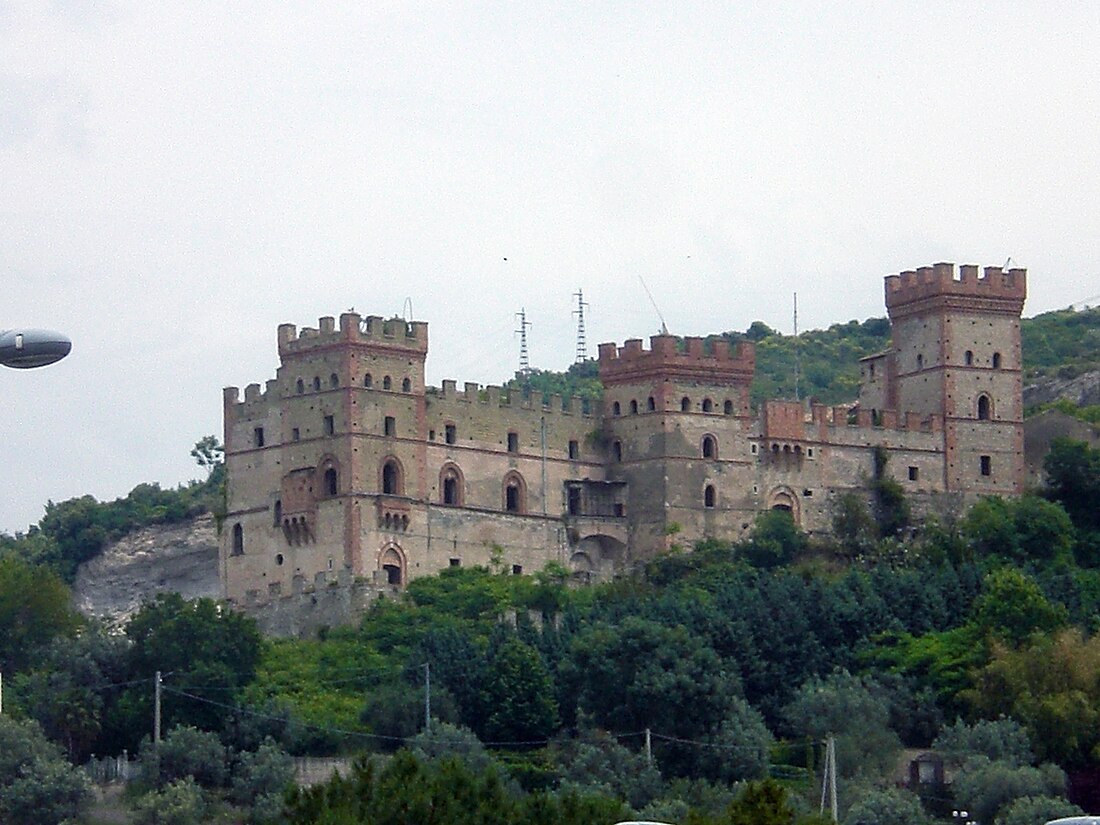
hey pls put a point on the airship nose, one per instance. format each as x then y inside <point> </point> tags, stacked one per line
<point>27,348</point>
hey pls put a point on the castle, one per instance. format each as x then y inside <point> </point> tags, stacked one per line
<point>348,468</point>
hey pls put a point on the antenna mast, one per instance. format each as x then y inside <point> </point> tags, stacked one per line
<point>524,325</point>
<point>664,326</point>
<point>797,365</point>
<point>582,348</point>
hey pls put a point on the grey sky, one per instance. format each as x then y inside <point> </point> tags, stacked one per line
<point>179,178</point>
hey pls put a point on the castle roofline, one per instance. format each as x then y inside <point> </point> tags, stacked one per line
<point>724,364</point>
<point>372,331</point>
<point>936,287</point>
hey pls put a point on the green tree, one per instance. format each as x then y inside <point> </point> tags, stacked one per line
<point>775,540</point>
<point>185,751</point>
<point>741,746</point>
<point>34,609</point>
<point>1073,480</point>
<point>853,525</point>
<point>1021,530</point>
<point>1013,607</point>
<point>986,788</point>
<point>845,706</point>
<point>37,786</point>
<point>519,694</point>
<point>999,740</point>
<point>208,453</point>
<point>762,802</point>
<point>179,803</point>
<point>889,806</point>
<point>1028,810</point>
<point>445,741</point>
<point>597,762</point>
<point>261,779</point>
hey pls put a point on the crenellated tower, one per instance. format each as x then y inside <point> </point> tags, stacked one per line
<point>956,353</point>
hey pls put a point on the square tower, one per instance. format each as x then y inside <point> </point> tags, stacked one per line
<point>956,353</point>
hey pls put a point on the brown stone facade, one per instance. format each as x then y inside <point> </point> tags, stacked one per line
<point>346,467</point>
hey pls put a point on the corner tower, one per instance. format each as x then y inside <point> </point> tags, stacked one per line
<point>956,353</point>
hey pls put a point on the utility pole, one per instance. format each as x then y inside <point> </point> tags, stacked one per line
<point>797,353</point>
<point>828,779</point>
<point>1,694</point>
<point>648,748</point>
<point>156,711</point>
<point>582,347</point>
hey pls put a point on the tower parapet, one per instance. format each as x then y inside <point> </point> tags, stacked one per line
<point>725,364</point>
<point>936,287</point>
<point>375,332</point>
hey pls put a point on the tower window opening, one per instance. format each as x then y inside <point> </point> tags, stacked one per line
<point>330,425</point>
<point>996,360</point>
<point>449,433</point>
<point>406,385</point>
<point>316,383</point>
<point>633,407</point>
<point>985,464</point>
<point>258,437</point>
<point>514,494</point>
<point>334,381</point>
<point>969,358</point>
<point>914,473</point>
<point>651,404</point>
<point>368,381</point>
<point>452,487</point>
<point>300,386</point>
<point>574,449</point>
<point>238,540</point>
<point>391,478</point>
<point>389,426</point>
<point>331,482</point>
<point>617,450</point>
<point>708,405</point>
<point>616,409</point>
<point>710,447</point>
<point>513,442</point>
<point>685,404</point>
<point>983,408</point>
<point>727,408</point>
<point>387,383</point>
<point>295,434</point>
<point>920,361</point>
<point>709,496</point>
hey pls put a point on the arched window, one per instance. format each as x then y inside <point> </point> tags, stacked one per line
<point>983,408</point>
<point>616,409</point>
<point>633,407</point>
<point>300,386</point>
<point>334,381</point>
<point>708,405</point>
<point>685,404</point>
<point>316,383</point>
<point>920,361</point>
<point>727,408</point>
<point>515,493</point>
<point>238,540</point>
<point>406,385</point>
<point>651,404</point>
<point>393,480</point>
<point>368,382</point>
<point>710,446</point>
<point>710,496</point>
<point>278,516</point>
<point>996,360</point>
<point>331,481</point>
<point>387,383</point>
<point>392,564</point>
<point>451,486</point>
<point>969,358</point>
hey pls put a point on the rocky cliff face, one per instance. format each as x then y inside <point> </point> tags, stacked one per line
<point>180,558</point>
<point>1083,390</point>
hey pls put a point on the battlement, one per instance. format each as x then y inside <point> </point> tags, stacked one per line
<point>725,364</point>
<point>253,393</point>
<point>791,421</point>
<point>393,334</point>
<point>495,396</point>
<point>932,287</point>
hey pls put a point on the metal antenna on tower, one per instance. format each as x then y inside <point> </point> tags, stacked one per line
<point>797,365</point>
<point>664,326</point>
<point>524,324</point>
<point>582,348</point>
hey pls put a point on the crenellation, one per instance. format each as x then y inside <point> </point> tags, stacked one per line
<point>347,468</point>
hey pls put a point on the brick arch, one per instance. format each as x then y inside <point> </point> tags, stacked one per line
<point>513,502</point>
<point>392,564</point>
<point>327,482</point>
<point>391,476</point>
<point>452,485</point>
<point>783,497</point>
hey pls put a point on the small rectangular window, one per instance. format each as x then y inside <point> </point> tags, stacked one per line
<point>258,436</point>
<point>431,435</point>
<point>330,425</point>
<point>914,473</point>
<point>296,434</point>
<point>517,569</point>
<point>574,449</point>
<point>450,434</point>
<point>390,425</point>
<point>986,465</point>
<point>513,443</point>
<point>456,562</point>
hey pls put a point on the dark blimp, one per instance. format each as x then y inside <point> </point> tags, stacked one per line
<point>27,348</point>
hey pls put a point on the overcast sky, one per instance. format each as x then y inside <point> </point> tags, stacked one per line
<point>178,178</point>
